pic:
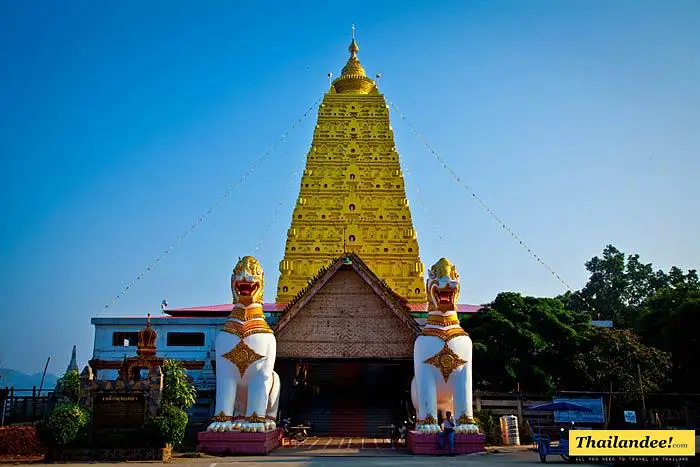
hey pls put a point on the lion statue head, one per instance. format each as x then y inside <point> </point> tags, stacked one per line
<point>443,286</point>
<point>248,281</point>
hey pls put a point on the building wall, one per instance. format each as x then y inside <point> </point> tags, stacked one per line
<point>105,350</point>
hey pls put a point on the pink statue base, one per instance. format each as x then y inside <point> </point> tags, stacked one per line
<point>238,442</point>
<point>424,443</point>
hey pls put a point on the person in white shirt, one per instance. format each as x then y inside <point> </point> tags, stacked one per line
<point>448,430</point>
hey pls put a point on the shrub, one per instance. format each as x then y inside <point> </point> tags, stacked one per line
<point>67,423</point>
<point>170,424</point>
<point>178,391</point>
<point>490,425</point>
<point>19,441</point>
<point>68,387</point>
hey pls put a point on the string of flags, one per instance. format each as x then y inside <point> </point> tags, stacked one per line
<point>279,207</point>
<point>483,204</point>
<point>436,227</point>
<point>206,214</point>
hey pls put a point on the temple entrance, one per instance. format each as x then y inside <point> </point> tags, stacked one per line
<point>345,397</point>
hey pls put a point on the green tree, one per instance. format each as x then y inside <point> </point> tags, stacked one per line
<point>618,356</point>
<point>669,322</point>
<point>179,394</point>
<point>524,341</point>
<point>178,391</point>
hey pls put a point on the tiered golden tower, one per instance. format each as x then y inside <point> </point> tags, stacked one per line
<point>352,195</point>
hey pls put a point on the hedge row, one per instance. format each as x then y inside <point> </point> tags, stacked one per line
<point>19,441</point>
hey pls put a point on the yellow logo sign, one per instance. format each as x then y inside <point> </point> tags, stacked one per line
<point>632,442</point>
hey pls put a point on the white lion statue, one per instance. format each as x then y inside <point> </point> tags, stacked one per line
<point>442,357</point>
<point>247,388</point>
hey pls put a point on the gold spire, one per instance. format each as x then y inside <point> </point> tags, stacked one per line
<point>352,196</point>
<point>353,78</point>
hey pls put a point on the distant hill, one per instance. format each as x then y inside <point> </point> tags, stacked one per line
<point>19,380</point>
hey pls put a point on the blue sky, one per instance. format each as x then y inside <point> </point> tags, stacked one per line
<point>122,122</point>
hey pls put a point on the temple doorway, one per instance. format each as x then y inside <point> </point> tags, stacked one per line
<point>352,398</point>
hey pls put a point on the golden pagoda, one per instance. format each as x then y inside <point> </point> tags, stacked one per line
<point>352,196</point>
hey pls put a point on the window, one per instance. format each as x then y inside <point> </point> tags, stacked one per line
<point>403,217</point>
<point>185,339</point>
<point>351,238</point>
<point>294,248</point>
<point>317,249</point>
<point>352,207</point>
<point>125,339</point>
<point>352,176</point>
<point>299,216</point>
<point>352,150</point>
<point>386,250</point>
<point>285,288</point>
<point>417,291</point>
<point>410,250</point>
<point>325,185</point>
<point>323,216</point>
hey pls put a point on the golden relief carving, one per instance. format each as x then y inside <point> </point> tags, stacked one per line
<point>247,328</point>
<point>247,313</point>
<point>222,417</point>
<point>429,420</point>
<point>444,334</point>
<point>446,360</point>
<point>242,356</point>
<point>442,320</point>
<point>255,418</point>
<point>464,419</point>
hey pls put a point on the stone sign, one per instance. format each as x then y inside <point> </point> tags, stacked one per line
<point>118,411</point>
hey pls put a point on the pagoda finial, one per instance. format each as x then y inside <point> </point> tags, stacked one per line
<point>353,78</point>
<point>353,46</point>
<point>73,365</point>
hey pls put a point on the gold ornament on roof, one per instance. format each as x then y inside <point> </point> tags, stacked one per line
<point>242,356</point>
<point>446,360</point>
<point>353,78</point>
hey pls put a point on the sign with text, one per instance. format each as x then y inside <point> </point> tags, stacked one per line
<point>118,411</point>
<point>595,405</point>
<point>658,443</point>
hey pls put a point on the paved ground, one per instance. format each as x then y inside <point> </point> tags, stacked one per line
<point>352,455</point>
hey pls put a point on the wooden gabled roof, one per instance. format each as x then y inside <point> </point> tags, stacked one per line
<point>394,302</point>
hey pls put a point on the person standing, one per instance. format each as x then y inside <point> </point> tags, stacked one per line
<point>448,430</point>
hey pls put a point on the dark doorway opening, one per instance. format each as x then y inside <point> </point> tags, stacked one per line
<point>346,397</point>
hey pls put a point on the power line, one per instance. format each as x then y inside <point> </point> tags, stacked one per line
<point>206,214</point>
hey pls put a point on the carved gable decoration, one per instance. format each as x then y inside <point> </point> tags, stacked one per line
<point>347,313</point>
